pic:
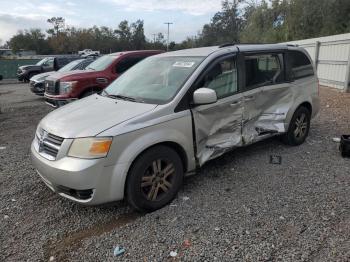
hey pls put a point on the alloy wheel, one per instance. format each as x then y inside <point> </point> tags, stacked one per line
<point>300,126</point>
<point>157,179</point>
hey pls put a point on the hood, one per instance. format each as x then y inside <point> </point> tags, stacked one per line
<point>41,77</point>
<point>91,116</point>
<point>33,67</point>
<point>75,75</point>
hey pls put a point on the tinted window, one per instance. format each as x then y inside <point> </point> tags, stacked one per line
<point>46,62</point>
<point>84,64</point>
<point>71,66</point>
<point>126,63</point>
<point>62,61</point>
<point>102,63</point>
<point>300,65</point>
<point>222,78</point>
<point>262,70</point>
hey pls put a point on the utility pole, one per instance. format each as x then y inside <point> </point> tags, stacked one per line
<point>167,43</point>
<point>154,40</point>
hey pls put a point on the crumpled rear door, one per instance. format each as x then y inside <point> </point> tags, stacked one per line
<point>265,111</point>
<point>268,98</point>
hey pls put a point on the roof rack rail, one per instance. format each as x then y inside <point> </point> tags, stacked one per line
<point>294,45</point>
<point>226,44</point>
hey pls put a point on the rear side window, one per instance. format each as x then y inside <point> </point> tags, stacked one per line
<point>262,69</point>
<point>301,65</point>
<point>127,62</point>
<point>82,65</point>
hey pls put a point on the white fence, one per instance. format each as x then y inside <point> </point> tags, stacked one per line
<point>331,55</point>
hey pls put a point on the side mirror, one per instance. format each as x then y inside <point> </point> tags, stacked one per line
<point>204,96</point>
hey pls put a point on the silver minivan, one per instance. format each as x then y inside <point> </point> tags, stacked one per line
<point>168,115</point>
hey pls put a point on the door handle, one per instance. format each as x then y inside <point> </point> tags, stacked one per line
<point>235,103</point>
<point>248,98</point>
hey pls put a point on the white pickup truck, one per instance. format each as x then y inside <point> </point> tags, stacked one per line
<point>88,52</point>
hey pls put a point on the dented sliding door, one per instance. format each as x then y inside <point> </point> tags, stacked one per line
<point>267,97</point>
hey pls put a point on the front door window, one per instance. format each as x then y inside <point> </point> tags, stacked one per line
<point>222,78</point>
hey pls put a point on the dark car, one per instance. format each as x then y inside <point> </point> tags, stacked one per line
<point>26,72</point>
<point>0,77</point>
<point>37,82</point>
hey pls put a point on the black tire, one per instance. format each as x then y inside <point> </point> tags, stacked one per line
<point>301,121</point>
<point>29,76</point>
<point>143,178</point>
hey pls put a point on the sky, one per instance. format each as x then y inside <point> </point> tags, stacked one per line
<point>188,16</point>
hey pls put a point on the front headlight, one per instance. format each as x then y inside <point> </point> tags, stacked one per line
<point>66,87</point>
<point>90,147</point>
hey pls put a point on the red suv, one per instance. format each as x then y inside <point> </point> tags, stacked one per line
<point>62,88</point>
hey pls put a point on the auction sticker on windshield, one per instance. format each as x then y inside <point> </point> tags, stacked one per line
<point>183,64</point>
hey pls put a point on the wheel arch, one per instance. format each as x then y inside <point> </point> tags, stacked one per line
<point>306,104</point>
<point>173,145</point>
<point>30,74</point>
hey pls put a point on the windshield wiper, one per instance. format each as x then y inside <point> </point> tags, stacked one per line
<point>127,98</point>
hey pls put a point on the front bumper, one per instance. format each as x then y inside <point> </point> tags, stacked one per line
<point>37,88</point>
<point>21,76</point>
<point>57,101</point>
<point>86,181</point>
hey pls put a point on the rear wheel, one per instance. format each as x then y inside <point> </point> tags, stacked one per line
<point>298,128</point>
<point>154,179</point>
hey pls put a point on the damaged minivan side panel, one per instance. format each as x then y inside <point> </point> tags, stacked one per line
<point>258,106</point>
<point>218,126</point>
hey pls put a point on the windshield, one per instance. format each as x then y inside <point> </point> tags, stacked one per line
<point>71,65</point>
<point>155,80</point>
<point>101,63</point>
<point>46,60</point>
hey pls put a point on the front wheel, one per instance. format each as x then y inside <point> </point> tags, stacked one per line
<point>298,128</point>
<point>154,179</point>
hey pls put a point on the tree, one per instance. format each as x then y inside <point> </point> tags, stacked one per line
<point>138,38</point>
<point>124,34</point>
<point>58,24</point>
<point>224,27</point>
<point>32,39</point>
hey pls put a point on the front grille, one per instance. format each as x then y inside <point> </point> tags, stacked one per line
<point>52,87</point>
<point>49,144</point>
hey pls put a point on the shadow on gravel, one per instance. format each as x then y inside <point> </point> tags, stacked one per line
<point>6,93</point>
<point>59,248</point>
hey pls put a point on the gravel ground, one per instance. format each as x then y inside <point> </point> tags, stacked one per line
<point>239,207</point>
